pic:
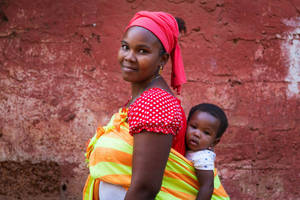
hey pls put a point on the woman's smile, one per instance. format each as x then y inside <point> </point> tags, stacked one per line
<point>139,55</point>
<point>126,68</point>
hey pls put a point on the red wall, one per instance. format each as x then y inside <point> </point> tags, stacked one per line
<point>59,79</point>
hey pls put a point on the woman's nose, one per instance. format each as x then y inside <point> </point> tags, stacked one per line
<point>130,57</point>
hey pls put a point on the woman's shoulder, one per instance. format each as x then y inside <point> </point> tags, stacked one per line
<point>158,94</point>
<point>157,97</point>
<point>156,111</point>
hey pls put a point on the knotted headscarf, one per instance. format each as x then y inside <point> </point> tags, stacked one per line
<point>165,28</point>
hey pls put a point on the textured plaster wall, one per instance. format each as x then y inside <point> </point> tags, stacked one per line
<point>59,80</point>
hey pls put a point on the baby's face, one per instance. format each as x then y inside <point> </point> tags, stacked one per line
<point>201,131</point>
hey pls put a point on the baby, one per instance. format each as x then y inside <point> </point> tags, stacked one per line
<point>205,127</point>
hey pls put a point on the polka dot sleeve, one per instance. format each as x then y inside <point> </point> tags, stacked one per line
<point>155,111</point>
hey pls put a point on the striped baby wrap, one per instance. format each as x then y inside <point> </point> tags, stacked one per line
<point>109,157</point>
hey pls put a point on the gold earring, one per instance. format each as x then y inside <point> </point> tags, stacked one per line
<point>160,69</point>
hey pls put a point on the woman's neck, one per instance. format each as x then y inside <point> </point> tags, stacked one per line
<point>138,88</point>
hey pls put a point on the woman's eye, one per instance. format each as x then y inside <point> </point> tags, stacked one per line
<point>143,51</point>
<point>206,133</point>
<point>124,47</point>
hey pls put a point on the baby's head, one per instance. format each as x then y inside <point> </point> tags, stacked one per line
<point>205,127</point>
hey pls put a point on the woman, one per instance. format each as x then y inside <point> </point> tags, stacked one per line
<point>156,118</point>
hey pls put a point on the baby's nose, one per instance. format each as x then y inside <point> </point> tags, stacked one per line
<point>197,134</point>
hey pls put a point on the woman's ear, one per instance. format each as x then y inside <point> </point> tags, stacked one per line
<point>164,59</point>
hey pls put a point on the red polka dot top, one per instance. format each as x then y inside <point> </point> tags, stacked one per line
<point>158,111</point>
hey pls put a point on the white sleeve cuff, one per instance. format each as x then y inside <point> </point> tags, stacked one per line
<point>203,160</point>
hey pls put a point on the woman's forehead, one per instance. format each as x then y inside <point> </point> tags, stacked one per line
<point>140,34</point>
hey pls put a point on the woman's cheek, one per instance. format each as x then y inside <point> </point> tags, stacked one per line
<point>120,55</point>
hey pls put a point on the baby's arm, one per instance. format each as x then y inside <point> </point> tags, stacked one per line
<point>206,180</point>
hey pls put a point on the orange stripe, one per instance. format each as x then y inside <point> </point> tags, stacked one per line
<point>100,131</point>
<point>87,145</point>
<point>177,154</point>
<point>101,154</point>
<point>85,186</point>
<point>220,192</point>
<point>122,134</point>
<point>215,172</point>
<point>113,155</point>
<point>188,169</point>
<point>96,190</point>
<point>88,154</point>
<point>118,179</point>
<point>180,195</point>
<point>126,125</point>
<point>183,177</point>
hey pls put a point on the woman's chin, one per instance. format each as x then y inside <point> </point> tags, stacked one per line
<point>126,78</point>
<point>129,78</point>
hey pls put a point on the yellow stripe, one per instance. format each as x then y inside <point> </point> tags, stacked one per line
<point>179,168</point>
<point>165,195</point>
<point>178,195</point>
<point>108,168</point>
<point>111,161</point>
<point>107,142</point>
<point>109,155</point>
<point>187,179</point>
<point>178,185</point>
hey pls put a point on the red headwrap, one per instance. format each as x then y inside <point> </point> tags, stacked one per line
<point>165,28</point>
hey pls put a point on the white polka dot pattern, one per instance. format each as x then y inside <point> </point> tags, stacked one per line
<point>155,111</point>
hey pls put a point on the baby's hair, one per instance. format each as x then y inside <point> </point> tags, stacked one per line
<point>215,111</point>
<point>181,28</point>
<point>181,24</point>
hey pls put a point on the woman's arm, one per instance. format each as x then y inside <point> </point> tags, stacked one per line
<point>206,180</point>
<point>150,155</point>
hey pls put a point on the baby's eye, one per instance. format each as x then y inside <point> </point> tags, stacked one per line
<point>206,133</point>
<point>194,127</point>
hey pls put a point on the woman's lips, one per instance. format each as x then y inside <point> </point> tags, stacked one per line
<point>128,69</point>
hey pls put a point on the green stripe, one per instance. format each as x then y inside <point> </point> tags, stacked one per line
<point>124,128</point>
<point>217,182</point>
<point>165,196</point>
<point>214,197</point>
<point>89,193</point>
<point>117,144</point>
<point>181,161</point>
<point>175,167</point>
<point>109,168</point>
<point>111,122</point>
<point>178,185</point>
<point>121,145</point>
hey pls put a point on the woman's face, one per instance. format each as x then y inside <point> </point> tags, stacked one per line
<point>139,55</point>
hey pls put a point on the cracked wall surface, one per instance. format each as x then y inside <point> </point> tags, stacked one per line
<point>59,80</point>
